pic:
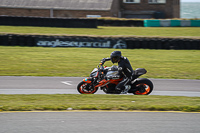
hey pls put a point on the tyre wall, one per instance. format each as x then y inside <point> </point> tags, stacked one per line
<point>171,23</point>
<point>66,22</point>
<point>48,22</point>
<point>135,23</point>
<point>92,23</point>
<point>99,42</point>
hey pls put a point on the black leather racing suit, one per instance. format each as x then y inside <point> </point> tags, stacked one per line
<point>125,69</point>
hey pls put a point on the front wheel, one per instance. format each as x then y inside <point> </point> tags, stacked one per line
<point>143,87</point>
<point>86,88</point>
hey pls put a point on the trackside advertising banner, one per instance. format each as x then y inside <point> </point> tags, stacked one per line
<point>100,42</point>
<point>93,43</point>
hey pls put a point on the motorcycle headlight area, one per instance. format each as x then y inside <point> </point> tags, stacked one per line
<point>94,73</point>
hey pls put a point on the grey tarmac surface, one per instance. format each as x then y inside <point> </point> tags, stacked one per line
<point>67,85</point>
<point>99,122</point>
<point>95,122</point>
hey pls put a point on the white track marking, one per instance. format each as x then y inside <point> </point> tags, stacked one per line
<point>66,82</point>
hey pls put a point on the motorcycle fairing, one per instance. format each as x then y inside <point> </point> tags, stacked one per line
<point>87,80</point>
<point>104,82</point>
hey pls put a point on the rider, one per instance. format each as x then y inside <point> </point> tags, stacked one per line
<point>124,68</point>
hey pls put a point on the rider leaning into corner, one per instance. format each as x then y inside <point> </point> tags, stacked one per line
<point>124,69</point>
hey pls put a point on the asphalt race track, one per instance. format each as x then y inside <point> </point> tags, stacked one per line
<point>67,85</point>
<point>99,122</point>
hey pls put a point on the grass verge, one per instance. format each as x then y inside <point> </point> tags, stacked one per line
<point>79,62</point>
<point>59,102</point>
<point>106,31</point>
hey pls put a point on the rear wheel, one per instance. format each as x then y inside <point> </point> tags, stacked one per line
<point>143,87</point>
<point>86,88</point>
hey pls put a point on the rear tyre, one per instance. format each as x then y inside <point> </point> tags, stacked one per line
<point>86,88</point>
<point>143,87</point>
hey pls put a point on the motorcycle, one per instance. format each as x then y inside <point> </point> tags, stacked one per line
<point>99,79</point>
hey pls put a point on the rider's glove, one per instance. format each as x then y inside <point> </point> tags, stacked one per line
<point>102,61</point>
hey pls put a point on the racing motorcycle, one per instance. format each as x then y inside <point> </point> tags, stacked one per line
<point>99,79</point>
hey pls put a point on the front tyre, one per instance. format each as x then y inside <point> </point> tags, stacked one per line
<point>144,87</point>
<point>86,88</point>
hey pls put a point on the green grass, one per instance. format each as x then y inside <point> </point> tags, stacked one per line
<point>40,61</point>
<point>79,62</point>
<point>98,102</point>
<point>109,31</point>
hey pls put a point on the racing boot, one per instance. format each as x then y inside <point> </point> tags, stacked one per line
<point>127,88</point>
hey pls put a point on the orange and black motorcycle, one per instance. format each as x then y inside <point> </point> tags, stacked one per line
<point>99,79</point>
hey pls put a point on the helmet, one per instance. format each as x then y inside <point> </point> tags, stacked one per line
<point>115,56</point>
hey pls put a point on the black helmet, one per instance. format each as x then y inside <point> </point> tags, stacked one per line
<point>115,56</point>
